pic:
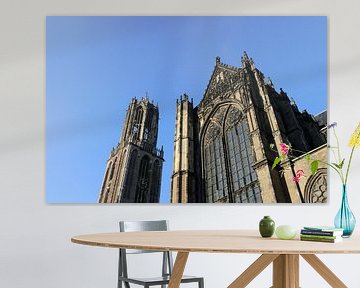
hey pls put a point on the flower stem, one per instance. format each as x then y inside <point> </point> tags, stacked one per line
<point>336,169</point>
<point>334,154</point>
<point>339,162</point>
<point>325,163</point>
<point>337,144</point>
<point>348,167</point>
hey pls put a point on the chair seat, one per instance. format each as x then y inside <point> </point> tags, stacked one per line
<point>158,280</point>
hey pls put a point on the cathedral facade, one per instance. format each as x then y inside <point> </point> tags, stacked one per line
<point>134,168</point>
<point>222,148</point>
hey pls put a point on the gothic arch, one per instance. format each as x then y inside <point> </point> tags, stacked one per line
<point>107,195</point>
<point>138,120</point>
<point>155,182</point>
<point>316,187</point>
<point>225,103</point>
<point>113,169</point>
<point>106,177</point>
<point>109,167</point>
<point>139,115</point>
<point>129,175</point>
<point>121,160</point>
<point>142,186</point>
<point>227,156</point>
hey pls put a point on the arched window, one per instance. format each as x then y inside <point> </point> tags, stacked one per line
<point>316,187</point>
<point>138,121</point>
<point>113,169</point>
<point>129,181</point>
<point>142,188</point>
<point>156,182</point>
<point>215,184</point>
<point>105,179</point>
<point>228,159</point>
<point>107,195</point>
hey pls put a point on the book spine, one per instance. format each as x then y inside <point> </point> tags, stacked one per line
<point>318,239</point>
<point>320,233</point>
<point>319,236</point>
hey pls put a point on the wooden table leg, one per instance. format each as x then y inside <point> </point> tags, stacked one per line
<point>253,270</point>
<point>324,271</point>
<point>286,271</point>
<point>178,269</point>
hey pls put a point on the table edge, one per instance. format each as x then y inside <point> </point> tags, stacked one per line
<point>203,250</point>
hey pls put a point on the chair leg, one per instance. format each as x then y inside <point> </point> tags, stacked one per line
<point>164,266</point>
<point>120,273</point>
<point>201,283</point>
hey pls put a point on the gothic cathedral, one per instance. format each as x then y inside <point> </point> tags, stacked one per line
<point>134,168</point>
<point>222,148</point>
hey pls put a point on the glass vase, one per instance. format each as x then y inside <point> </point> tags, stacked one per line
<point>345,219</point>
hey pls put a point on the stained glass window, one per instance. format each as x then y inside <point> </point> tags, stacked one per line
<point>228,159</point>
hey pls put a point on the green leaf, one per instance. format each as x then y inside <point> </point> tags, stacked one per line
<point>339,166</point>
<point>307,157</point>
<point>314,166</point>
<point>272,145</point>
<point>336,165</point>
<point>342,163</point>
<point>276,161</point>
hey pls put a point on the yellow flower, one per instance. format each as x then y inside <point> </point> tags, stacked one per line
<point>355,138</point>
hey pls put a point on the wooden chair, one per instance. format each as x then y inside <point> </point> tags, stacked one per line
<point>167,262</point>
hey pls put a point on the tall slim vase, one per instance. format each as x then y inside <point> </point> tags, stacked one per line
<point>345,219</point>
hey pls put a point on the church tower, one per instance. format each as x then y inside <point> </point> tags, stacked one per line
<point>134,168</point>
<point>186,154</point>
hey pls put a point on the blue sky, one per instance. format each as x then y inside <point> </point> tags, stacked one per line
<point>95,65</point>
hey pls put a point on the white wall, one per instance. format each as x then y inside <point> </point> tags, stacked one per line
<point>35,248</point>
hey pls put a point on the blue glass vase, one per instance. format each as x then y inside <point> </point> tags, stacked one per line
<point>345,219</point>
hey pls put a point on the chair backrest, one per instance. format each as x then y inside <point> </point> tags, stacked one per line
<point>133,226</point>
<point>137,226</point>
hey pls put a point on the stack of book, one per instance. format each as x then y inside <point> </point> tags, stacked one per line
<point>321,234</point>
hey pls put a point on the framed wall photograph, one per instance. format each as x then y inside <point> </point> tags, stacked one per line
<point>170,110</point>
